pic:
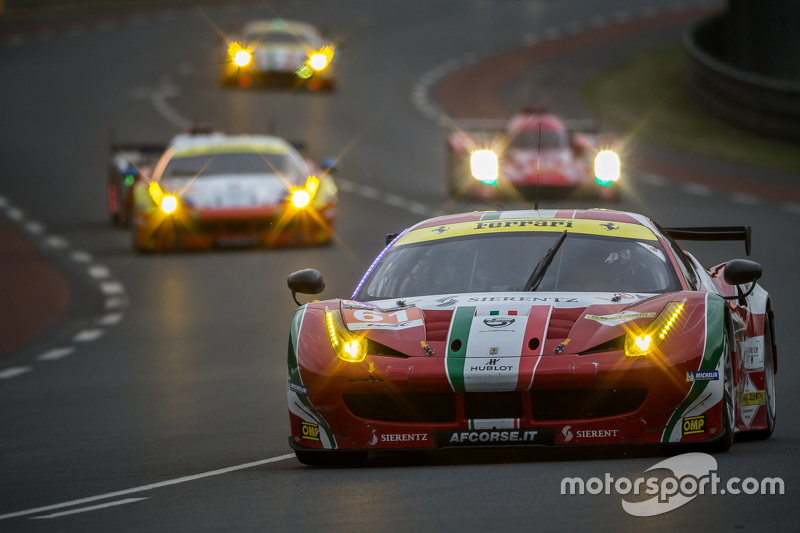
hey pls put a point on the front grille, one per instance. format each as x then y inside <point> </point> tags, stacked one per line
<point>493,405</point>
<point>423,407</point>
<point>579,404</point>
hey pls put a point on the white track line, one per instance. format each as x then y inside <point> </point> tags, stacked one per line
<point>697,189</point>
<point>88,335</point>
<point>15,213</point>
<point>55,354</point>
<point>79,256</point>
<point>111,319</point>
<point>112,288</point>
<point>99,271</point>
<point>92,508</point>
<point>144,488</point>
<point>115,302</point>
<point>57,242</point>
<point>14,371</point>
<point>36,228</point>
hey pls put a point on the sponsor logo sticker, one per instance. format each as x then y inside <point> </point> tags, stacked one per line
<point>694,424</point>
<point>404,437</point>
<point>498,322</point>
<point>309,431</point>
<point>299,389</point>
<point>709,375</point>
<point>494,437</point>
<point>754,398</point>
<point>618,318</point>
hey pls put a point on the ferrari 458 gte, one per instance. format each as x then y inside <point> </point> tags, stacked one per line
<point>527,328</point>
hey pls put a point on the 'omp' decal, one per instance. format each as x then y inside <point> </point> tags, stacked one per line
<point>694,424</point>
<point>618,318</point>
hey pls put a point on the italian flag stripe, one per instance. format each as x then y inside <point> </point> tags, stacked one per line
<point>715,329</point>
<point>458,337</point>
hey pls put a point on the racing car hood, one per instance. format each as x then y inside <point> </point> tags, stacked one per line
<point>228,191</point>
<point>506,324</point>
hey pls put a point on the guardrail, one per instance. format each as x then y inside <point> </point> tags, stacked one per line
<point>757,103</point>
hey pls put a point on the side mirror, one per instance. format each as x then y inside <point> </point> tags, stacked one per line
<point>741,272</point>
<point>308,281</point>
<point>329,165</point>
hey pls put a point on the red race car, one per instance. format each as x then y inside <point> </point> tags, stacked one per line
<point>533,150</point>
<point>524,328</point>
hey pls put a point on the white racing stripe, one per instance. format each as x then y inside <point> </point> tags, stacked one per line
<point>143,488</point>
<point>92,508</point>
<point>14,371</point>
<point>55,353</point>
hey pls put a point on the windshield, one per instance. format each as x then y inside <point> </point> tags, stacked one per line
<point>504,262</point>
<point>277,37</point>
<point>232,163</point>
<point>528,139</point>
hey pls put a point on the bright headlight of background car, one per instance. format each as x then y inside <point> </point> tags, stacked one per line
<point>347,345</point>
<point>607,167</point>
<point>645,340</point>
<point>318,61</point>
<point>484,167</point>
<point>240,56</point>
<point>169,203</point>
<point>302,197</point>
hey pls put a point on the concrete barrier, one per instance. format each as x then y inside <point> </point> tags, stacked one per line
<point>754,102</point>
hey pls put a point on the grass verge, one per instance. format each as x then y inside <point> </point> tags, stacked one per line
<point>649,98</point>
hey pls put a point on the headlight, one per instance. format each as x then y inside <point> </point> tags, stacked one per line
<point>606,167</point>
<point>484,167</point>
<point>645,340</point>
<point>302,197</point>
<point>240,55</point>
<point>169,203</point>
<point>318,61</point>
<point>348,346</point>
<point>242,58</point>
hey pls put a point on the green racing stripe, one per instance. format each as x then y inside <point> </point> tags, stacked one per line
<point>715,329</point>
<point>459,331</point>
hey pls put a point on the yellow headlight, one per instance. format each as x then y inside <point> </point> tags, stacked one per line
<point>484,167</point>
<point>346,344</point>
<point>318,61</point>
<point>646,340</point>
<point>242,58</point>
<point>300,198</point>
<point>169,203</point>
<point>607,166</point>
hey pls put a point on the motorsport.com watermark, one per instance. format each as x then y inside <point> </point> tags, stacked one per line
<point>694,474</point>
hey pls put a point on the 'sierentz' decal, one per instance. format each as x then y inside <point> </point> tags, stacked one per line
<point>459,335</point>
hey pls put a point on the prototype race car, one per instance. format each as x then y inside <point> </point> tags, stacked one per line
<point>525,328</point>
<point>532,150</point>
<point>279,51</point>
<point>212,189</point>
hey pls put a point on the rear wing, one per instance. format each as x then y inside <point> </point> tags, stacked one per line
<point>721,233</point>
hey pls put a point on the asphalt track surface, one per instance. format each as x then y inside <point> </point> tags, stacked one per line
<point>158,403</point>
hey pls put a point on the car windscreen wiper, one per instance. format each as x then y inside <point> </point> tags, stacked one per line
<point>541,266</point>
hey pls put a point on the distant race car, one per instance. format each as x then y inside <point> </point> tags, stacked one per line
<point>211,189</point>
<point>526,328</point>
<point>534,149</point>
<point>279,51</point>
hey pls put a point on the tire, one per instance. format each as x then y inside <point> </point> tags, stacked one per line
<point>331,458</point>
<point>769,383</point>
<point>725,441</point>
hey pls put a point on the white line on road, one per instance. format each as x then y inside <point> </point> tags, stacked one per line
<point>79,256</point>
<point>14,371</point>
<point>15,214</point>
<point>653,179</point>
<point>115,302</point>
<point>99,271</point>
<point>144,488</point>
<point>699,190</point>
<point>111,319</point>
<point>57,242</point>
<point>92,508</point>
<point>35,227</point>
<point>112,287</point>
<point>55,354</point>
<point>743,198</point>
<point>792,208</point>
<point>3,202</point>
<point>88,335</point>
